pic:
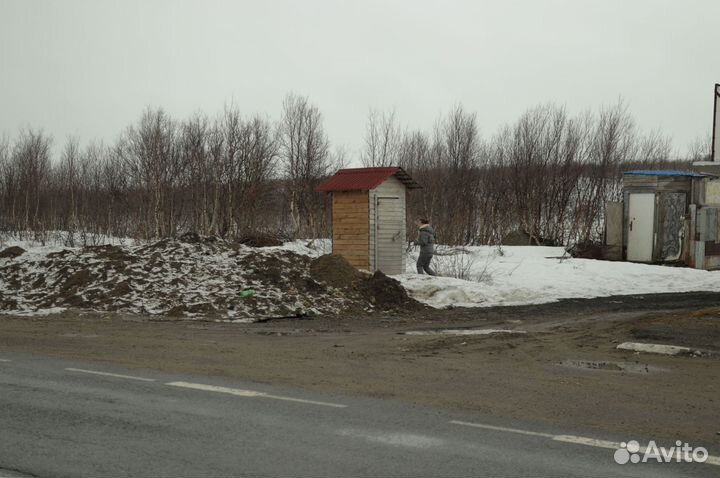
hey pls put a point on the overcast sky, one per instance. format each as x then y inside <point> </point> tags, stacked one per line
<point>88,67</point>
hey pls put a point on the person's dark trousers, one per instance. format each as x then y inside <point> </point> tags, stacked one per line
<point>423,264</point>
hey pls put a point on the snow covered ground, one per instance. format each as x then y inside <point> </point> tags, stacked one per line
<point>533,275</point>
<point>521,275</point>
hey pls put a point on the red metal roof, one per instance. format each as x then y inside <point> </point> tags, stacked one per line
<point>355,179</point>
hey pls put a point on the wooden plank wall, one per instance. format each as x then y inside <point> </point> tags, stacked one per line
<point>351,227</point>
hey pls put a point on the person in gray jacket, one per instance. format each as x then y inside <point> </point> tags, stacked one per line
<point>426,241</point>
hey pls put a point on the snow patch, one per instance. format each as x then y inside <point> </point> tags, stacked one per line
<point>463,332</point>
<point>654,348</point>
<point>34,312</point>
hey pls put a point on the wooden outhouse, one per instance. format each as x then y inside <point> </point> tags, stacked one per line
<point>368,216</point>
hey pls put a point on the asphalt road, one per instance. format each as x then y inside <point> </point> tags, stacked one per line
<point>62,418</point>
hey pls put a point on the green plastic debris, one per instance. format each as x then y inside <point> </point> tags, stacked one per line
<point>247,293</point>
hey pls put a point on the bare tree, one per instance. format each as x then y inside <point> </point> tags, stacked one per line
<point>8,185</point>
<point>461,159</point>
<point>305,151</point>
<point>382,140</point>
<point>612,142</point>
<point>258,155</point>
<point>31,158</point>
<point>700,149</point>
<point>653,149</point>
<point>115,185</point>
<point>150,158</point>
<point>69,180</point>
<point>200,172</point>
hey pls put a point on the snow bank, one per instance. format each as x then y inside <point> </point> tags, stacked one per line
<point>521,275</point>
<point>653,348</point>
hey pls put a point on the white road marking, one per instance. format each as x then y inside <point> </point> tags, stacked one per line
<point>408,440</point>
<point>213,388</point>
<point>249,393</point>
<point>5,360</point>
<point>107,374</point>
<point>576,440</point>
<point>614,445</point>
<point>502,429</point>
<point>301,400</point>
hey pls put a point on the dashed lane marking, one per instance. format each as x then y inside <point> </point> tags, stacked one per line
<point>501,429</point>
<point>587,441</point>
<point>107,374</point>
<point>577,440</point>
<point>302,400</point>
<point>212,388</point>
<point>249,393</point>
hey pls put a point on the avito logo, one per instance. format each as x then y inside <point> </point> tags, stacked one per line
<point>631,452</point>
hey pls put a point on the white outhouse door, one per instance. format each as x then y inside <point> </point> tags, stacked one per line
<point>390,237</point>
<point>641,211</point>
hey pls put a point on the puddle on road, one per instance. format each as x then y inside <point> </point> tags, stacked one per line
<point>611,366</point>
<point>462,332</point>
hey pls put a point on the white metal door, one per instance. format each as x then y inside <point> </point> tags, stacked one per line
<point>641,211</point>
<point>390,235</point>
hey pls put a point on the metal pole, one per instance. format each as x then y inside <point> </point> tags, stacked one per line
<point>716,125</point>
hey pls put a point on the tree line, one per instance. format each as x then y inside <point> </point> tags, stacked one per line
<point>548,174</point>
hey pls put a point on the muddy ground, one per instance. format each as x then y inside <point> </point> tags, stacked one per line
<point>563,370</point>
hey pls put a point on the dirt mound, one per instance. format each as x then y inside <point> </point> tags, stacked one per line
<point>378,290</point>
<point>191,237</point>
<point>195,238</point>
<point>386,293</point>
<point>208,278</point>
<point>334,271</point>
<point>283,268</point>
<point>113,253</point>
<point>76,280</point>
<point>260,240</point>
<point>12,252</point>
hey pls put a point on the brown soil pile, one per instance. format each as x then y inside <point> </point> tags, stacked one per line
<point>12,252</point>
<point>76,280</point>
<point>334,270</point>
<point>195,238</point>
<point>260,240</point>
<point>386,293</point>
<point>198,277</point>
<point>109,252</point>
<point>381,291</point>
